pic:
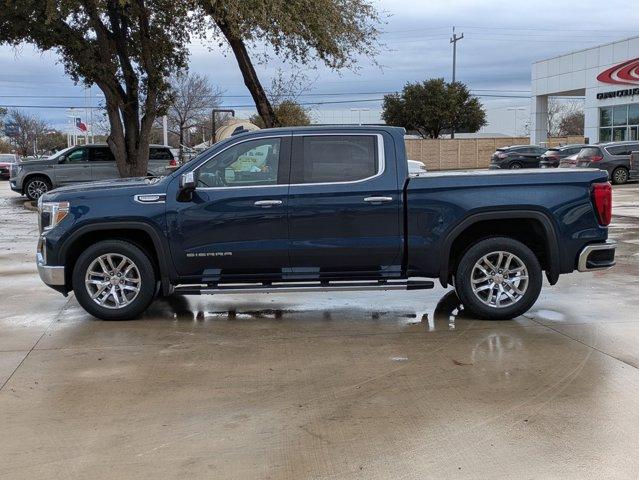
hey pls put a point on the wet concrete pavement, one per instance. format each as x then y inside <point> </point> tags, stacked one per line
<point>323,386</point>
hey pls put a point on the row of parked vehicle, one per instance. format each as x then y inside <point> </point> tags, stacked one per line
<point>614,157</point>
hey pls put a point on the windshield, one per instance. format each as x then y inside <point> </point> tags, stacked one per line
<point>7,158</point>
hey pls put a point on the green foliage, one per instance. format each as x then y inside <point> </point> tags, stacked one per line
<point>334,32</point>
<point>128,48</point>
<point>433,106</point>
<point>289,113</point>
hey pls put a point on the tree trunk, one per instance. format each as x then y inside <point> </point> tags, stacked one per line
<point>251,80</point>
<point>129,138</point>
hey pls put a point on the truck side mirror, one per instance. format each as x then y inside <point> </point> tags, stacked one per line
<point>188,182</point>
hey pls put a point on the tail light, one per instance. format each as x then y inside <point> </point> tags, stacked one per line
<point>596,158</point>
<point>602,198</point>
<point>173,162</point>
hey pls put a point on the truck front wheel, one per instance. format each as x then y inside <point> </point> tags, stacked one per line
<point>114,280</point>
<point>498,278</point>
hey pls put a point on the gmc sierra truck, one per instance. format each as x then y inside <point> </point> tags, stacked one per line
<point>322,208</point>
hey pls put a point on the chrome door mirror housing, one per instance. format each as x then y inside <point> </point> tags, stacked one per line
<point>188,182</point>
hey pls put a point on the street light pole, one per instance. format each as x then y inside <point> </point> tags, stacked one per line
<point>454,39</point>
<point>516,109</point>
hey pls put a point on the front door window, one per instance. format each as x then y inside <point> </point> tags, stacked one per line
<point>248,164</point>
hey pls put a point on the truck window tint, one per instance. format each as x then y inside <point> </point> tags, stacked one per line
<point>77,156</point>
<point>247,164</point>
<point>102,155</point>
<point>343,158</point>
<point>160,154</point>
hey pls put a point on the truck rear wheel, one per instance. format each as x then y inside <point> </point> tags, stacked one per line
<point>498,278</point>
<point>114,280</point>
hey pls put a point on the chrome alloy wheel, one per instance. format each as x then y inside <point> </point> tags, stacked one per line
<point>37,188</point>
<point>499,279</point>
<point>621,176</point>
<point>113,280</point>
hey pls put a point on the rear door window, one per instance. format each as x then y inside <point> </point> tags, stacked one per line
<point>99,154</point>
<point>625,149</point>
<point>588,152</point>
<point>334,158</point>
<point>160,154</point>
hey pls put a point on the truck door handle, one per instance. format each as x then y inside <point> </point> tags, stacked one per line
<point>268,203</point>
<point>378,199</point>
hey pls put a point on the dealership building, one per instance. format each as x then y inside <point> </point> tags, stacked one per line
<point>607,76</point>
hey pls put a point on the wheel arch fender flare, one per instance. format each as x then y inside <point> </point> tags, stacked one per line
<point>159,243</point>
<point>551,241</point>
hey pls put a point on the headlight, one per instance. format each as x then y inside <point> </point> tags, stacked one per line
<point>51,213</point>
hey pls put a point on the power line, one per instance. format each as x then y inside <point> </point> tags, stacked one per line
<point>334,102</point>
<point>323,94</point>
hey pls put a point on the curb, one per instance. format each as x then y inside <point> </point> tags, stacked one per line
<point>30,205</point>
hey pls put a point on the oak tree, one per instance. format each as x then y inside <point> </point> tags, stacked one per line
<point>434,106</point>
<point>128,48</point>
<point>333,32</point>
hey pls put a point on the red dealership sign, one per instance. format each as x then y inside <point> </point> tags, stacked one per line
<point>626,73</point>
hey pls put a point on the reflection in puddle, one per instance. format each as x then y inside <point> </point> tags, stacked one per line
<point>446,316</point>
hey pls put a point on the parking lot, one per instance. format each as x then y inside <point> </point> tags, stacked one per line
<point>326,386</point>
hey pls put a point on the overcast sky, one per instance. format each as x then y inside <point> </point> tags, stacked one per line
<point>501,40</point>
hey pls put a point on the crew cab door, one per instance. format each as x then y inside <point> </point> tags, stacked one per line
<point>73,167</point>
<point>235,225</point>
<point>344,206</point>
<point>103,166</point>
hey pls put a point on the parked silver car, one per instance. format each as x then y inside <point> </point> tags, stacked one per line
<point>76,165</point>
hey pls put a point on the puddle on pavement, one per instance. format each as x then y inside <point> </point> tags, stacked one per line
<point>446,315</point>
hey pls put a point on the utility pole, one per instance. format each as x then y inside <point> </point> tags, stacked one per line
<point>454,41</point>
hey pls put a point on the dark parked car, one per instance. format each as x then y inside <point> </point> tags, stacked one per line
<point>552,156</point>
<point>516,156</point>
<point>614,157</point>
<point>322,209</point>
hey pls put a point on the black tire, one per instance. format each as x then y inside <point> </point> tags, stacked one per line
<point>36,186</point>
<point>466,269</point>
<point>145,276</point>
<point>620,175</point>
<point>515,166</point>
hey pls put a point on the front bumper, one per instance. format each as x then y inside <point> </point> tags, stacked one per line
<point>14,186</point>
<point>597,256</point>
<point>51,275</point>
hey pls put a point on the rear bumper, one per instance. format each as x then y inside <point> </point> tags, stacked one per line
<point>634,174</point>
<point>598,256</point>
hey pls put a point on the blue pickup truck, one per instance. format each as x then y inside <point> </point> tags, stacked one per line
<point>315,208</point>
